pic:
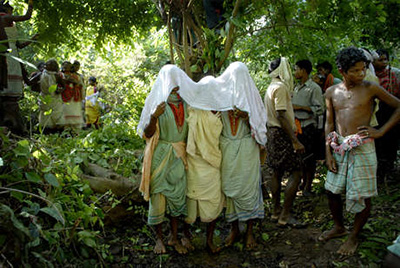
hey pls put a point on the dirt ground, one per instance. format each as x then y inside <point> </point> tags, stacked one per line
<point>132,242</point>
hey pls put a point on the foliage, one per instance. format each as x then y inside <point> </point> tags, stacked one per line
<point>52,212</point>
<point>72,22</point>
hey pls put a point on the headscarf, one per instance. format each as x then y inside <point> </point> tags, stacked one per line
<point>371,56</point>
<point>284,73</point>
<point>233,89</point>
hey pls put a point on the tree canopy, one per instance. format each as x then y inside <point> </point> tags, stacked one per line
<point>313,29</point>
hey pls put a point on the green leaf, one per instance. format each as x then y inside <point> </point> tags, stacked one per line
<point>51,179</point>
<point>265,236</point>
<point>90,242</point>
<point>193,68</point>
<point>54,213</point>
<point>88,238</point>
<point>17,195</point>
<point>22,148</point>
<point>7,213</point>
<point>33,177</point>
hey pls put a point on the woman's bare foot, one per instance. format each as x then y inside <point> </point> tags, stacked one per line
<point>231,237</point>
<point>177,245</point>
<point>186,243</point>
<point>275,215</point>
<point>250,241</point>
<point>349,247</point>
<point>212,248</point>
<point>159,247</point>
<point>333,233</point>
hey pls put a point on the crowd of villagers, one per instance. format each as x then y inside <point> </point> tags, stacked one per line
<point>66,100</point>
<point>206,140</point>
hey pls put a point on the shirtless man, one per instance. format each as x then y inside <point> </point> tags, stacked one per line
<point>350,150</point>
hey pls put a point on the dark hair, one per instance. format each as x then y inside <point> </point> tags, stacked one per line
<point>382,51</point>
<point>40,64</point>
<point>5,6</point>
<point>274,64</point>
<point>305,64</point>
<point>92,79</point>
<point>348,57</point>
<point>76,63</point>
<point>326,65</point>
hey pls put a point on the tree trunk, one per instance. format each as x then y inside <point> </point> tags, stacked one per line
<point>101,180</point>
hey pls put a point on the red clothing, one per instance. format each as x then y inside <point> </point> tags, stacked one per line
<point>328,82</point>
<point>72,90</point>
<point>388,80</point>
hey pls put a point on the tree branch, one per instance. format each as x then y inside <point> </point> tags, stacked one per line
<point>171,45</point>
<point>185,33</point>
<point>229,38</point>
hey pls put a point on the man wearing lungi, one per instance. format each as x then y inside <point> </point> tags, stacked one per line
<point>350,149</point>
<point>283,147</point>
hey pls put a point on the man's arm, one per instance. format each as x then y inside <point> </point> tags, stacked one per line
<point>281,115</point>
<point>392,101</point>
<point>329,127</point>
<point>27,43</point>
<point>28,13</point>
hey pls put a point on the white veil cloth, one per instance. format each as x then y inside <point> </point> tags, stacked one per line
<point>234,88</point>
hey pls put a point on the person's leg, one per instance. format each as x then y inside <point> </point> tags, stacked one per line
<point>336,208</point>
<point>210,237</point>
<point>233,234</point>
<point>350,246</point>
<point>159,248</point>
<point>290,194</point>
<point>310,167</point>
<point>187,237</point>
<point>173,240</point>
<point>250,241</point>
<point>276,193</point>
<point>391,261</point>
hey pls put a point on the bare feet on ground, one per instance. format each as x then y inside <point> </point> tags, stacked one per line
<point>159,248</point>
<point>349,247</point>
<point>177,245</point>
<point>250,241</point>
<point>275,215</point>
<point>187,244</point>
<point>231,238</point>
<point>212,248</point>
<point>333,233</point>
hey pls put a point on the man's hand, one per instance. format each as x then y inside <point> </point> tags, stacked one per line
<point>331,163</point>
<point>298,147</point>
<point>369,132</point>
<point>160,110</point>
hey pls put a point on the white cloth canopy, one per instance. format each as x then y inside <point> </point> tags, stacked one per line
<point>234,88</point>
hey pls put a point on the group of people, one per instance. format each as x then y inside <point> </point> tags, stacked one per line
<point>63,100</point>
<point>204,141</point>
